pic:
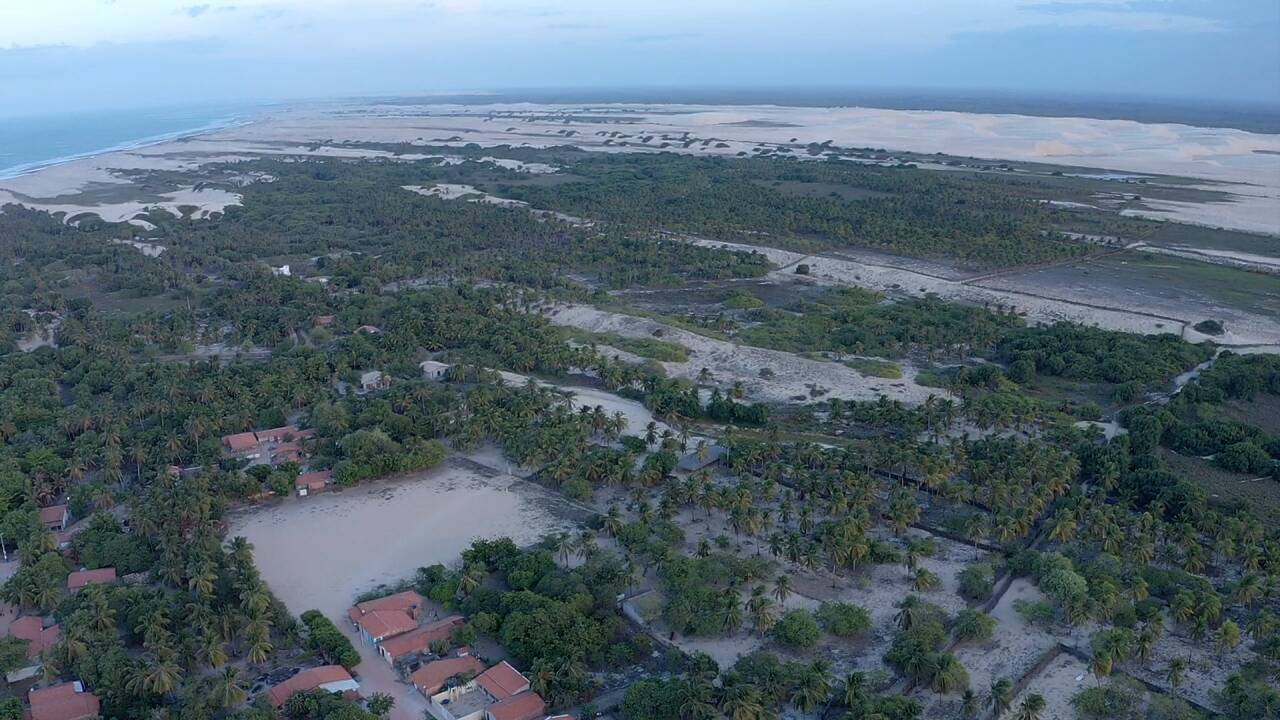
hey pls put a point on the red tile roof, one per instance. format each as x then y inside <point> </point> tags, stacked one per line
<point>39,638</point>
<point>407,601</point>
<point>53,515</point>
<point>314,480</point>
<point>431,677</point>
<point>80,578</point>
<point>385,623</point>
<point>502,681</point>
<point>525,706</point>
<point>420,639</point>
<point>277,434</point>
<point>307,680</point>
<point>67,701</point>
<point>240,441</point>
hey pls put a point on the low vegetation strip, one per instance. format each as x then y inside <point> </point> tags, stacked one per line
<point>652,348</point>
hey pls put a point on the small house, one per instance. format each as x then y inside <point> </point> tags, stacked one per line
<point>243,444</point>
<point>373,380</point>
<point>310,483</point>
<point>419,640</point>
<point>499,693</point>
<point>39,638</point>
<point>432,370</point>
<point>82,578</point>
<point>67,701</point>
<point>55,518</point>
<point>333,678</point>
<point>387,617</point>
<point>431,677</point>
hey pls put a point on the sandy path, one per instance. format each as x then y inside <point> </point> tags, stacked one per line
<point>323,551</point>
<point>728,362</point>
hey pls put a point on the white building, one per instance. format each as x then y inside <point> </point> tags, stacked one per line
<point>432,370</point>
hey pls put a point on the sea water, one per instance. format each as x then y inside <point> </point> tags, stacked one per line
<point>29,142</point>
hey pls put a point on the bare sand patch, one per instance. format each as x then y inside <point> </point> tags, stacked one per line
<point>728,362</point>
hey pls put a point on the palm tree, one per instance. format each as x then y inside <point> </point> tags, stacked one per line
<point>815,687</point>
<point>1000,696</point>
<point>947,674</point>
<point>782,588</point>
<point>855,689</point>
<point>1177,668</point>
<point>969,703</point>
<point>229,688</point>
<point>743,702</point>
<point>1032,707</point>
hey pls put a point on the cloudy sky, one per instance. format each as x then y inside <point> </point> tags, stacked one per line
<point>57,54</point>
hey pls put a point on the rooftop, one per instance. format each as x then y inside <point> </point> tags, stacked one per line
<point>314,480</point>
<point>502,681</point>
<point>418,640</point>
<point>38,637</point>
<point>81,578</point>
<point>431,677</point>
<point>307,680</point>
<point>67,701</point>
<point>53,514</point>
<point>525,706</point>
<point>384,623</point>
<point>240,441</point>
<point>407,600</point>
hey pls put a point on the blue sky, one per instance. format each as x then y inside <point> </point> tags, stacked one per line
<point>61,54</point>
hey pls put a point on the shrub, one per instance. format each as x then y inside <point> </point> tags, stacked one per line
<point>797,629</point>
<point>974,625</point>
<point>977,581</point>
<point>844,619</point>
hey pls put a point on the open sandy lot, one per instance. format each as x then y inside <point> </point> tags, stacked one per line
<point>729,362</point>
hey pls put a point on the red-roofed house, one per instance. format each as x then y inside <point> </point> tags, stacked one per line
<point>408,601</point>
<point>333,678</point>
<point>525,706</point>
<point>419,640</point>
<point>39,638</point>
<point>286,452</point>
<point>55,517</point>
<point>244,444</point>
<point>499,693</point>
<point>276,435</point>
<point>310,483</point>
<point>67,701</point>
<point>378,625</point>
<point>429,678</point>
<point>81,578</point>
<point>324,320</point>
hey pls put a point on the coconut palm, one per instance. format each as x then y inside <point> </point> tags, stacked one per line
<point>1000,696</point>
<point>1032,707</point>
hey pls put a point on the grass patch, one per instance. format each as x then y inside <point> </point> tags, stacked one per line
<point>1262,496</point>
<point>876,368</point>
<point>652,348</point>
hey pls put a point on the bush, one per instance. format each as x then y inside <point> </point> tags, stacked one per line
<point>328,640</point>
<point>1034,612</point>
<point>844,619</point>
<point>797,629</point>
<point>973,625</point>
<point>977,581</point>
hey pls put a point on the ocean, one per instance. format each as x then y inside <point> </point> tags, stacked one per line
<point>32,141</point>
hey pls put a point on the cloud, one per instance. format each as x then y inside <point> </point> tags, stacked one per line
<point>194,10</point>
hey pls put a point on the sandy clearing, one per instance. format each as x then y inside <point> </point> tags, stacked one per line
<point>1065,676</point>
<point>728,362</point>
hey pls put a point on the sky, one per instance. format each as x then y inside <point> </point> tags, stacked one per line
<point>66,54</point>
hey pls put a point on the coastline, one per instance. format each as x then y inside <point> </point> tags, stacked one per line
<point>236,121</point>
